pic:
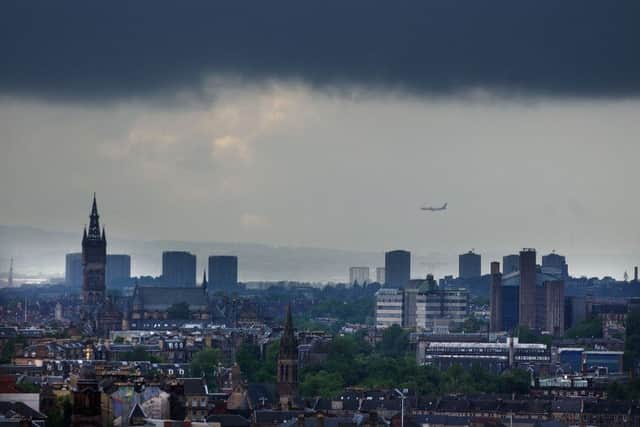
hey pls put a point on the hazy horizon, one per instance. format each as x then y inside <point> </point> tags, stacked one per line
<point>261,261</point>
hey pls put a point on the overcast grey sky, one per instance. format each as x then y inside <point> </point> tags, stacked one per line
<point>340,153</point>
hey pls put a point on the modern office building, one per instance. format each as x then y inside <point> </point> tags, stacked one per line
<point>380,275</point>
<point>389,307</point>
<point>73,270</point>
<point>358,275</point>
<point>495,296</point>
<point>556,265</point>
<point>469,265</point>
<point>435,305</point>
<point>422,307</point>
<point>510,263</point>
<point>223,272</point>
<point>397,269</point>
<point>179,269</point>
<point>527,303</point>
<point>118,269</point>
<point>492,356</point>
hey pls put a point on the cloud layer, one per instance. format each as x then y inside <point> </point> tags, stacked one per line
<point>94,51</point>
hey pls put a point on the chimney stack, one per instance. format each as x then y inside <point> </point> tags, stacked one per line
<point>635,273</point>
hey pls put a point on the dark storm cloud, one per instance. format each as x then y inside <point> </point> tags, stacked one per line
<point>94,50</point>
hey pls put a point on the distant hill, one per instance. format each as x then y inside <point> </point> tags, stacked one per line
<point>38,251</point>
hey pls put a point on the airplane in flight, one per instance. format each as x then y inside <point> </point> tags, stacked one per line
<point>432,209</point>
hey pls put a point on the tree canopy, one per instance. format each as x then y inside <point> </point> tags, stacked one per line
<point>591,328</point>
<point>139,354</point>
<point>351,361</point>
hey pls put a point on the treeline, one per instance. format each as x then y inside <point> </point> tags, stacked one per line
<point>351,361</point>
<point>631,388</point>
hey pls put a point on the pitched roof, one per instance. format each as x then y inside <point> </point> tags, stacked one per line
<point>21,409</point>
<point>137,415</point>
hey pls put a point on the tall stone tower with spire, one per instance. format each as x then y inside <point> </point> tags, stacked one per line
<point>94,265</point>
<point>94,260</point>
<point>287,375</point>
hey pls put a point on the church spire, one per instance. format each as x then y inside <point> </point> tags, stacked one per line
<point>94,221</point>
<point>204,279</point>
<point>288,344</point>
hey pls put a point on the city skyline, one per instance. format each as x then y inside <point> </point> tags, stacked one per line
<point>526,150</point>
<point>352,214</point>
<point>147,257</point>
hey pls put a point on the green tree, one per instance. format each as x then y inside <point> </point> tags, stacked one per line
<point>267,371</point>
<point>322,383</point>
<point>395,341</point>
<point>526,335</point>
<point>179,310</point>
<point>473,324</point>
<point>514,381</point>
<point>204,363</point>
<point>591,328</point>
<point>248,358</point>
<point>8,351</point>
<point>60,414</point>
<point>27,387</point>
<point>140,354</point>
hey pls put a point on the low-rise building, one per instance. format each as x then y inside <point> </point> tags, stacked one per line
<point>493,356</point>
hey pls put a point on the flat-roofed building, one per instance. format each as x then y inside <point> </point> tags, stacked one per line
<point>441,304</point>
<point>510,263</point>
<point>495,357</point>
<point>73,270</point>
<point>397,266</point>
<point>118,270</point>
<point>179,269</point>
<point>389,307</point>
<point>469,265</point>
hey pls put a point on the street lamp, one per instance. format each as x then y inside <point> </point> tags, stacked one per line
<point>402,397</point>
